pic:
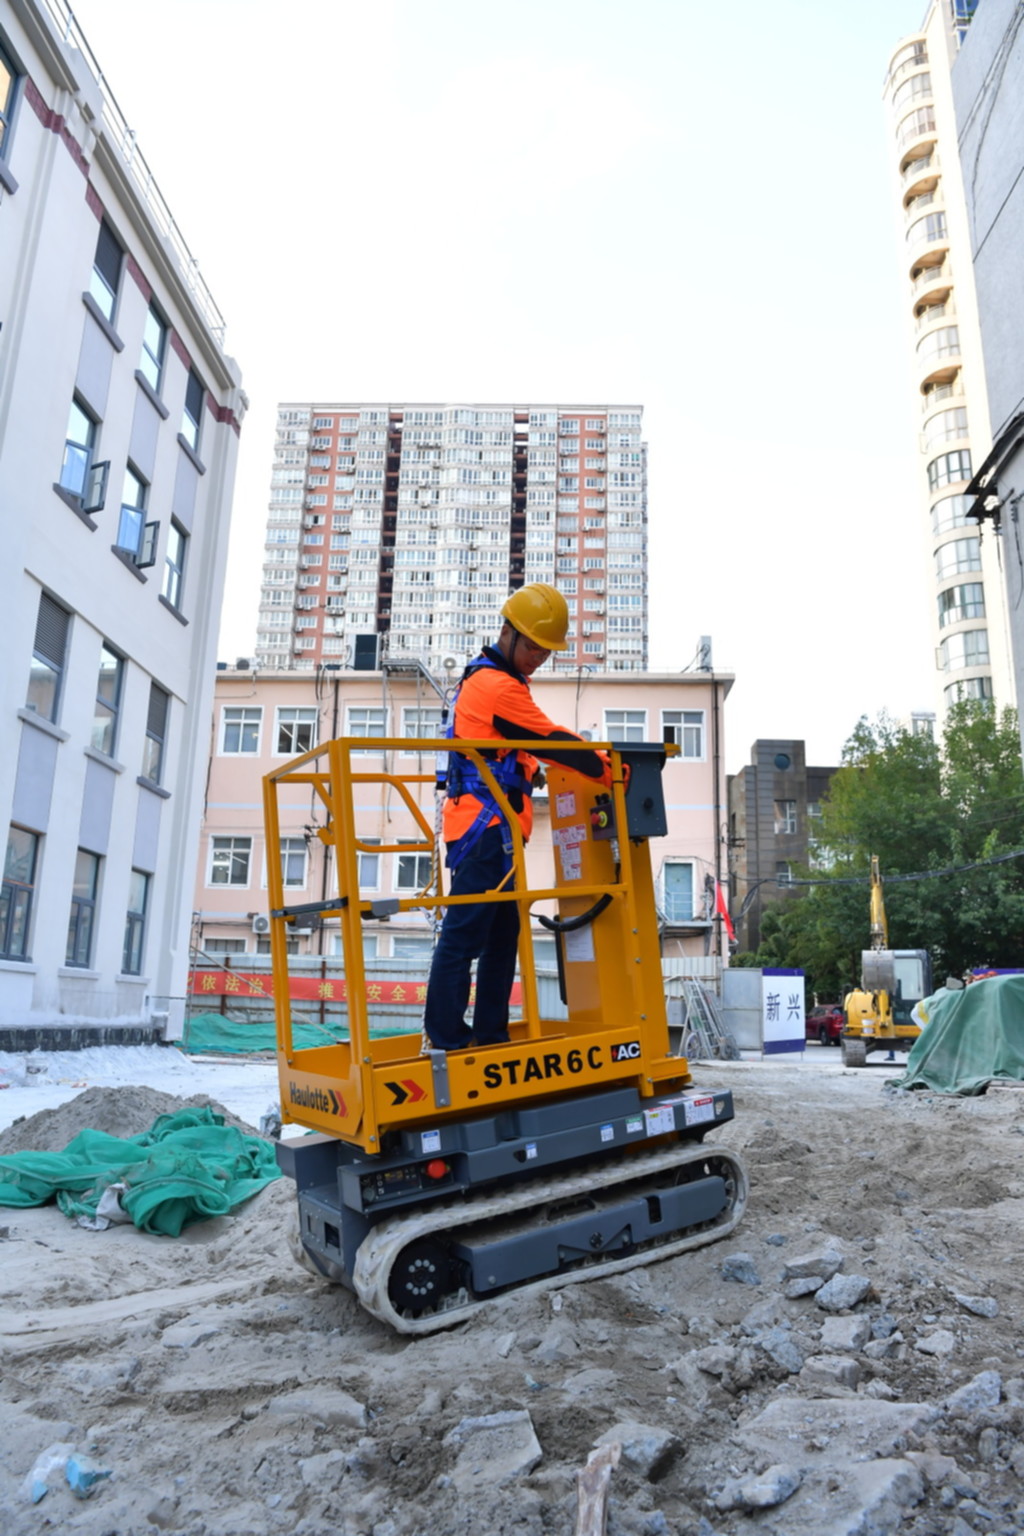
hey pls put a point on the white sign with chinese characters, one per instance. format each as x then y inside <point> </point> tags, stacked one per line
<point>782,1011</point>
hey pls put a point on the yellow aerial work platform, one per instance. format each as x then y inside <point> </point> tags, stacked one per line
<point>402,1130</point>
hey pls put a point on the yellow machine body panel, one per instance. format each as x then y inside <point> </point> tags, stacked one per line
<point>360,1087</point>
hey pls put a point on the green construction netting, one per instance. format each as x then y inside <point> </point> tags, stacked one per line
<point>970,1037</point>
<point>213,1033</point>
<point>187,1167</point>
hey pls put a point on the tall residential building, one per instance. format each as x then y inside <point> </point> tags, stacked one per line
<point>399,530</point>
<point>970,627</point>
<point>988,86</point>
<point>119,423</point>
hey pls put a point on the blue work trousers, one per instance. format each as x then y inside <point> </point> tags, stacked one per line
<point>487,932</point>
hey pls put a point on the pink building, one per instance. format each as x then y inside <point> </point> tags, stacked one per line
<point>261,721</point>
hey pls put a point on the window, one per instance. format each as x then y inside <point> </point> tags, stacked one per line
<point>229,860</point>
<point>684,727</point>
<point>293,861</point>
<point>217,946</point>
<point>950,512</point>
<point>783,873</point>
<point>957,556</point>
<point>106,270</point>
<point>365,721</point>
<point>421,722</point>
<point>949,467</point>
<point>969,648</point>
<point>82,920</point>
<point>48,655</point>
<point>108,701</point>
<point>368,865</point>
<point>413,871</point>
<point>154,344</point>
<point>785,817</point>
<point>79,446</point>
<point>135,923</point>
<point>240,730</point>
<point>174,564</point>
<point>132,520</point>
<point>16,894</point>
<point>193,413</point>
<point>8,83</point>
<point>414,946</point>
<point>296,731</point>
<point>968,688</point>
<point>625,724</point>
<point>963,602</point>
<point>156,732</point>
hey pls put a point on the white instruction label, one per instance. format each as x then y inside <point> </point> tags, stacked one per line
<point>607,1133</point>
<point>578,944</point>
<point>530,1149</point>
<point>563,837</point>
<point>430,1141</point>
<point>660,1120</point>
<point>565,805</point>
<point>699,1110</point>
<point>569,858</point>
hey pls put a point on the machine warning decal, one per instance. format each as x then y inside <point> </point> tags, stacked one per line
<point>406,1088</point>
<point>565,805</point>
<point>607,1133</point>
<point>634,1125</point>
<point>698,1110</point>
<point>572,868</point>
<point>326,1102</point>
<point>530,1150</point>
<point>660,1120</point>
<point>430,1141</point>
<point>626,1050</point>
<point>578,944</point>
<point>568,837</point>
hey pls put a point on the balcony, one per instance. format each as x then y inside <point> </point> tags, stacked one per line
<point>935,276</point>
<point>931,314</point>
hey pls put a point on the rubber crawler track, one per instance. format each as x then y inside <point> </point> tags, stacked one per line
<point>384,1243</point>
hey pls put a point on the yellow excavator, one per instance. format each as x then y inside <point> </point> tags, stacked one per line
<point>434,1183</point>
<point>892,981</point>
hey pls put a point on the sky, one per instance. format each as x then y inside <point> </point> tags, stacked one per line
<point>689,208</point>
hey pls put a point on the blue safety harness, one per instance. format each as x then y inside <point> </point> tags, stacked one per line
<point>464,778</point>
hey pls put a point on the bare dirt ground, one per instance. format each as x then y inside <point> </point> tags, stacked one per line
<point>228,1393</point>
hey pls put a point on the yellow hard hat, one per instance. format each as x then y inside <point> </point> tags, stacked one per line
<point>540,613</point>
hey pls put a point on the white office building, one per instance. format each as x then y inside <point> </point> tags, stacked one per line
<point>119,423</point>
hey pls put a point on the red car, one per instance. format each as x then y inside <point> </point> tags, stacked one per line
<point>825,1024</point>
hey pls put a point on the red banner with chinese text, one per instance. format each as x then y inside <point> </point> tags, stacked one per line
<point>315,988</point>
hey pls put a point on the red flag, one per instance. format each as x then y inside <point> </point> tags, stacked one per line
<point>723,912</point>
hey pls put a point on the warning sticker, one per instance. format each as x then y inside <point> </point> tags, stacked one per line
<point>578,945</point>
<point>569,858</point>
<point>634,1125</point>
<point>430,1141</point>
<point>607,1133</point>
<point>565,805</point>
<point>660,1120</point>
<point>563,837</point>
<point>699,1110</point>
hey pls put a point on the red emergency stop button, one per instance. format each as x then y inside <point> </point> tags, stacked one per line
<point>436,1168</point>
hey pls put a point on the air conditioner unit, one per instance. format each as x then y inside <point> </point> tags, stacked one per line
<point>261,923</point>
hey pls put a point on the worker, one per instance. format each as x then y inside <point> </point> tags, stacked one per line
<point>493,701</point>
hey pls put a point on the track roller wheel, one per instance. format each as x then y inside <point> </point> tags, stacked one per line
<point>855,1053</point>
<point>422,1276</point>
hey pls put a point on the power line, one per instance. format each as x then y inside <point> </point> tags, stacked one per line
<point>928,874</point>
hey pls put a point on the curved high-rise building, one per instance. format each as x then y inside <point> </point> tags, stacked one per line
<point>969,616</point>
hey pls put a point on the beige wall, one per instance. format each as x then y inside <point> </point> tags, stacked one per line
<point>694,787</point>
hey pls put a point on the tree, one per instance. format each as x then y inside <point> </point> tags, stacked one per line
<point>919,806</point>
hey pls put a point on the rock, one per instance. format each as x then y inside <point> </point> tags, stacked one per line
<point>941,1343</point>
<point>321,1404</point>
<point>325,1469</point>
<point>741,1267</point>
<point>881,1389</point>
<point>980,1306</point>
<point>869,1427</point>
<point>649,1449</point>
<point>988,1444</point>
<point>828,1372</point>
<point>715,1360</point>
<point>779,1346</point>
<point>493,1450</point>
<point>841,1334</point>
<point>759,1490</point>
<point>764,1314</point>
<point>842,1292</point>
<point>884,1349</point>
<point>933,1466</point>
<point>804,1285</point>
<point>983,1391</point>
<point>776,1240</point>
<point>883,1326</point>
<point>821,1265</point>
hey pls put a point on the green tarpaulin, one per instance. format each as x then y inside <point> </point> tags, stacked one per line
<point>187,1167</point>
<point>214,1033</point>
<point>970,1037</point>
